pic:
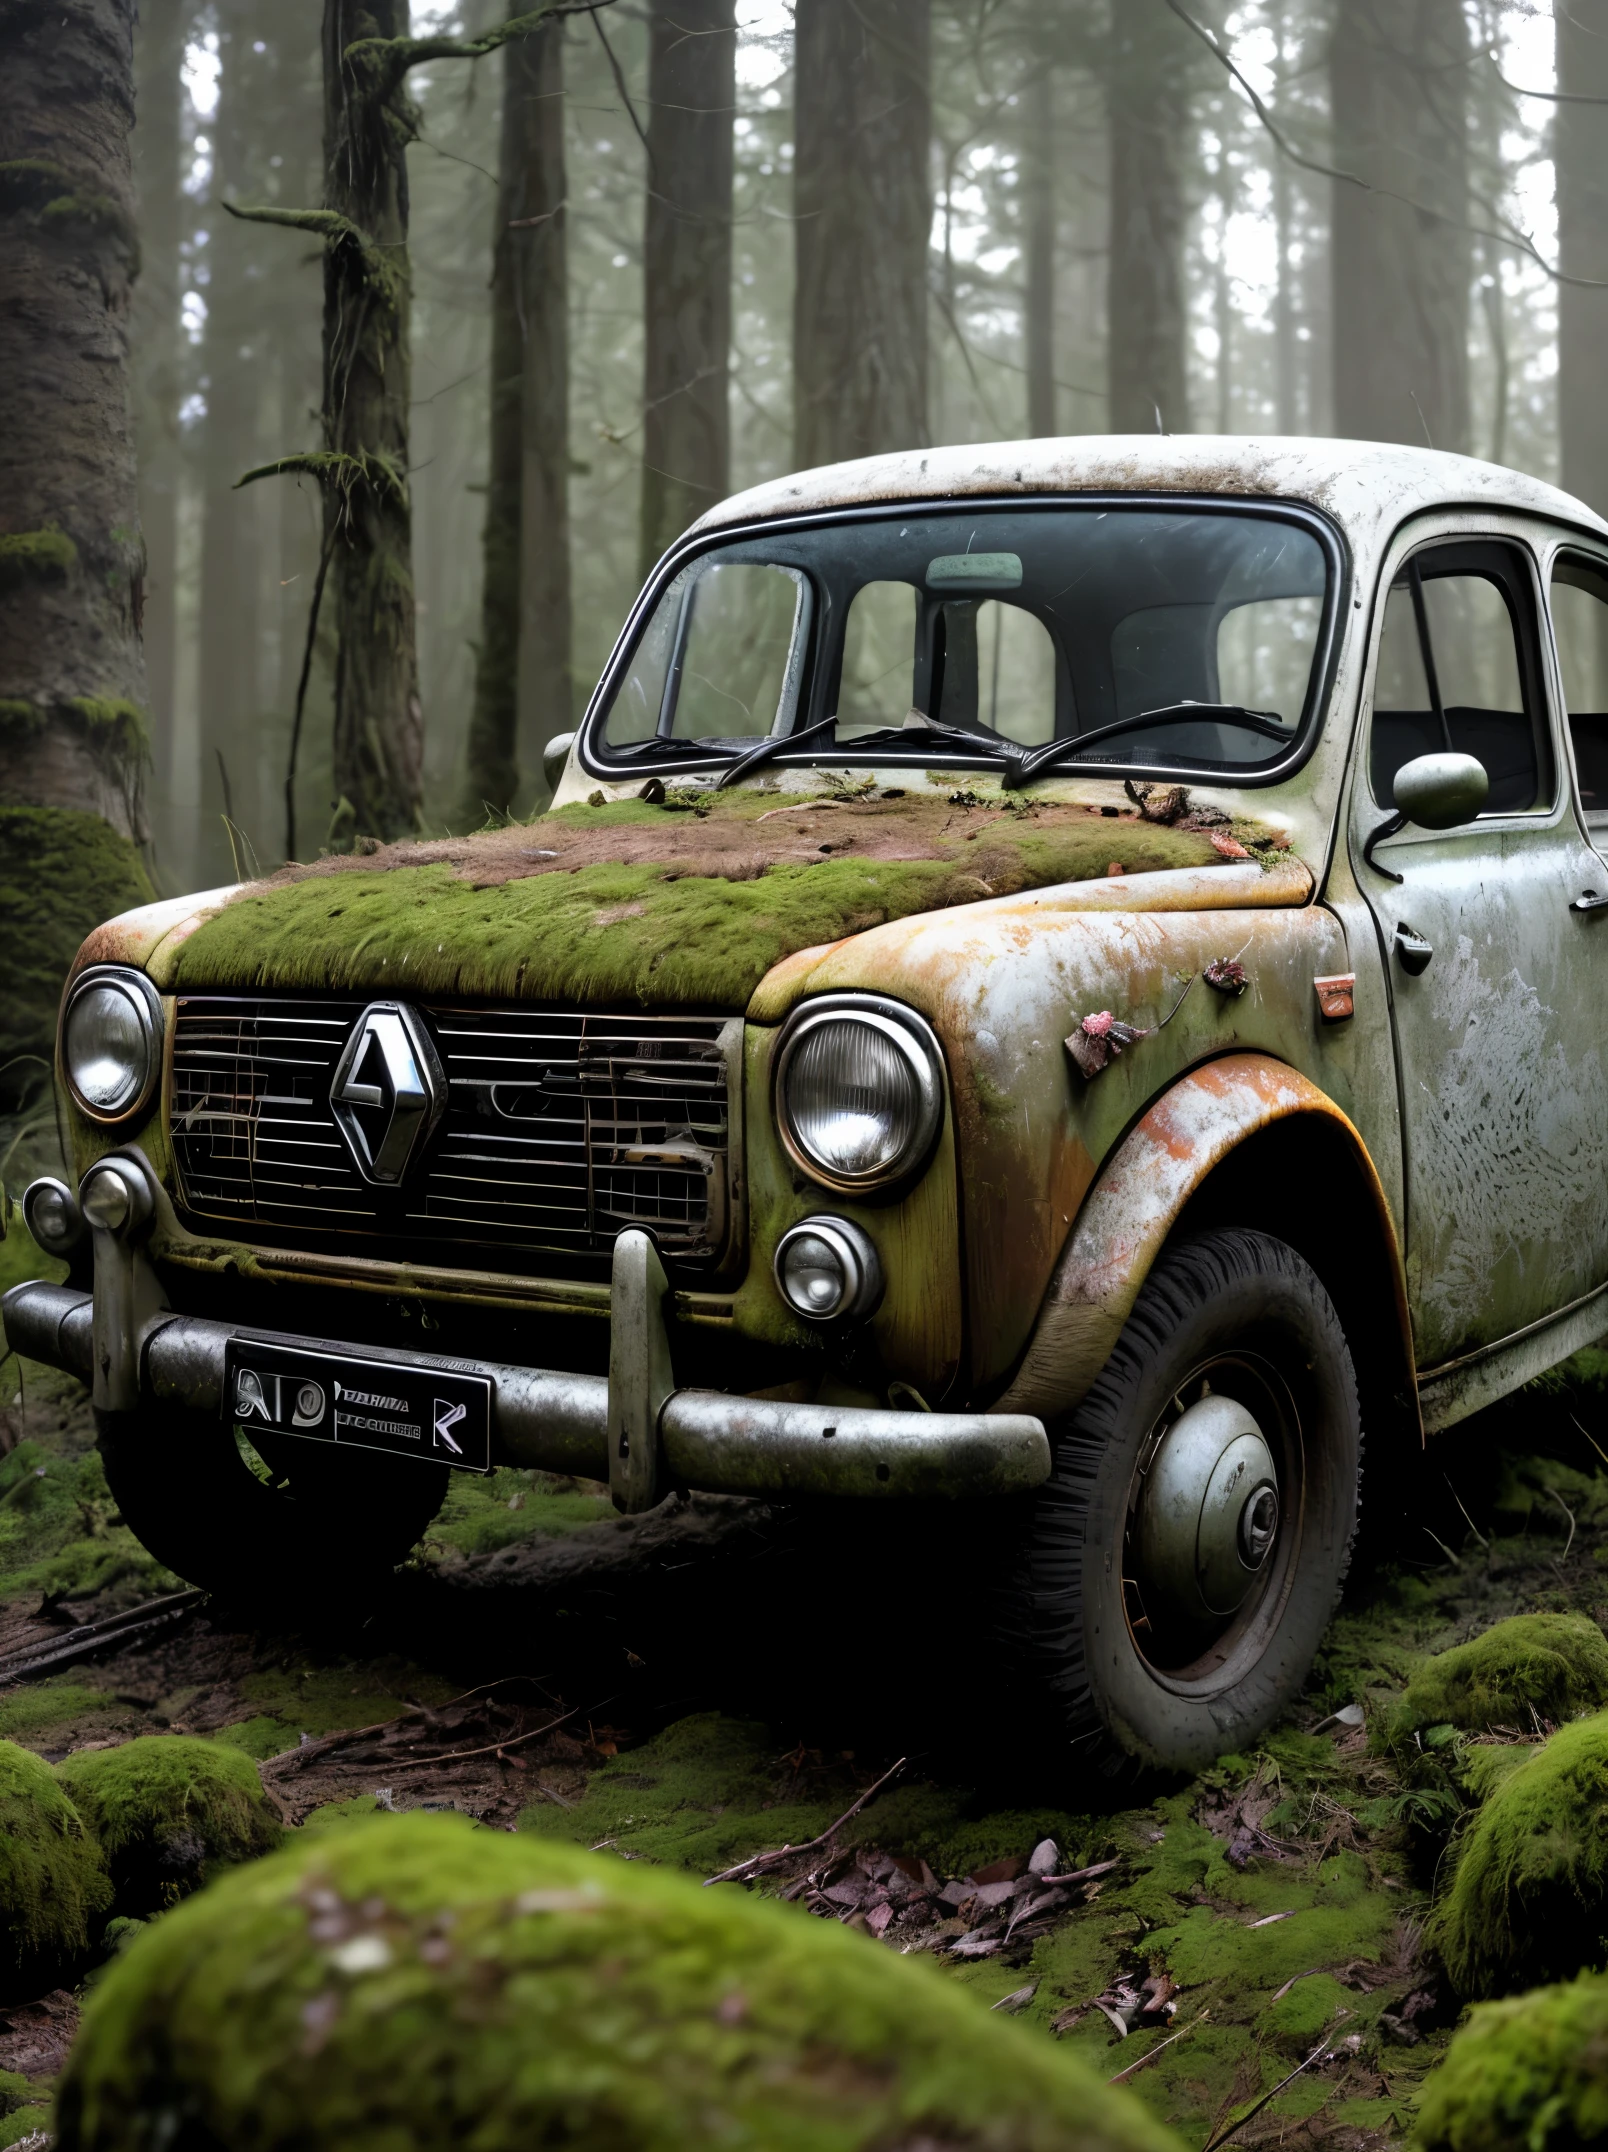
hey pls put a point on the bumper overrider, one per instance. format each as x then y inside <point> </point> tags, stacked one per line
<point>633,1428</point>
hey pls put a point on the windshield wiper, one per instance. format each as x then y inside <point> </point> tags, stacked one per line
<point>1173,713</point>
<point>907,737</point>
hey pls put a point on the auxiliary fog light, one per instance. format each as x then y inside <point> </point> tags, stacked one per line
<point>51,1214</point>
<point>113,1197</point>
<point>828,1270</point>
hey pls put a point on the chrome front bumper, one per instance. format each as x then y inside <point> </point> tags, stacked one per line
<point>633,1428</point>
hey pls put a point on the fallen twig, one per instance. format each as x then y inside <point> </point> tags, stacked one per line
<point>759,1861</point>
<point>1233,2129</point>
<point>1151,2053</point>
<point>311,1751</point>
<point>417,1763</point>
<point>1554,1496</point>
<point>91,1637</point>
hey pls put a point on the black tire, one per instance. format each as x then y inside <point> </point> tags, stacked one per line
<point>285,1524</point>
<point>1114,1672</point>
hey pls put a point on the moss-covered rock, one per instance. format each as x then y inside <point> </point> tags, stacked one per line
<point>1530,2073</point>
<point>1529,1900</point>
<point>417,1981</point>
<point>167,1809</point>
<point>53,1882</point>
<point>1554,1666</point>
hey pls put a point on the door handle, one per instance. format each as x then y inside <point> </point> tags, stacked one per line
<point>1412,951</point>
<point>1589,901</point>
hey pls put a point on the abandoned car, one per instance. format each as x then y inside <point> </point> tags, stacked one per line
<point>1066,977</point>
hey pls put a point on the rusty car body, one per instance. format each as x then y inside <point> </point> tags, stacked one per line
<point>1268,997</point>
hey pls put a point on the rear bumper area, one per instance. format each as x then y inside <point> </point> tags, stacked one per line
<point>633,1428</point>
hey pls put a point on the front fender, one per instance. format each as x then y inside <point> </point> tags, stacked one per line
<point>1162,1166</point>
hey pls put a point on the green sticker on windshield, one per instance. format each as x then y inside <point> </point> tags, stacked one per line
<point>975,571</point>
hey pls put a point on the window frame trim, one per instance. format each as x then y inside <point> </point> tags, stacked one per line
<point>1316,711</point>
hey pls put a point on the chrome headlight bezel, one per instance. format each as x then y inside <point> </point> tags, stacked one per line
<point>146,1005</point>
<point>917,1044</point>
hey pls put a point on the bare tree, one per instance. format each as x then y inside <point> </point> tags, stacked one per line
<point>522,676</point>
<point>1147,85</point>
<point>1579,143</point>
<point>686,435</point>
<point>72,676</point>
<point>1038,184</point>
<point>362,467</point>
<point>1398,73</point>
<point>862,198</point>
<point>159,53</point>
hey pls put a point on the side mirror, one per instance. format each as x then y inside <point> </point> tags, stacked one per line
<point>556,753</point>
<point>1441,791</point>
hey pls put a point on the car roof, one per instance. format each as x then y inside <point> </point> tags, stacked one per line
<point>1367,487</point>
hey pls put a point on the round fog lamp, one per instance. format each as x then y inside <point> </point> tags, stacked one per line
<point>52,1216</point>
<point>828,1270</point>
<point>109,1042</point>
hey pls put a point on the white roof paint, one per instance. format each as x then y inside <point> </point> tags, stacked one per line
<point>1368,487</point>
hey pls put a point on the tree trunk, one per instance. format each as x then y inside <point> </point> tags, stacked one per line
<point>1147,99</point>
<point>159,51</point>
<point>686,436</point>
<point>1398,76</point>
<point>522,679</point>
<point>235,351</point>
<point>1038,216</point>
<point>1284,297</point>
<point>863,210</point>
<point>1582,49</point>
<point>379,724</point>
<point>72,677</point>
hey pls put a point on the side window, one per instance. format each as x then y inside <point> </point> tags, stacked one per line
<point>1457,672</point>
<point>1580,625</point>
<point>998,671</point>
<point>720,658</point>
<point>879,656</point>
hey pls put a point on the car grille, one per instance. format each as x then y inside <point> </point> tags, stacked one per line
<point>559,1129</point>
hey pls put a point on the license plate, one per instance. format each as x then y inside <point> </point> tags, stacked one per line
<point>359,1404</point>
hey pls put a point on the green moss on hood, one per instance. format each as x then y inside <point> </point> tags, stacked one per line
<point>53,1882</point>
<point>1529,1901</point>
<point>1527,2075</point>
<point>416,1981</point>
<point>1555,1665</point>
<point>657,930</point>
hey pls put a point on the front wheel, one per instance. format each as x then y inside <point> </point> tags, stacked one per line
<point>1187,1552</point>
<point>280,1521</point>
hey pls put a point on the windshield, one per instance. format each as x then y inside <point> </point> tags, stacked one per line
<point>1056,637</point>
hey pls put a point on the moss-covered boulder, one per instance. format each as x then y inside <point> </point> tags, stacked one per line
<point>1549,1666</point>
<point>417,1981</point>
<point>53,1883</point>
<point>1530,2073</point>
<point>167,1809</point>
<point>1529,1900</point>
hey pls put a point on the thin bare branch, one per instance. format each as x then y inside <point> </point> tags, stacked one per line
<point>1518,241</point>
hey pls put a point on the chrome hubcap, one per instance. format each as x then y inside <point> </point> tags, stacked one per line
<point>1208,1514</point>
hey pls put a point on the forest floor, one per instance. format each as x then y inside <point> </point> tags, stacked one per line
<point>719,1679</point>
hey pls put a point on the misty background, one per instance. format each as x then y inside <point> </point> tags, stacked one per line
<point>1098,229</point>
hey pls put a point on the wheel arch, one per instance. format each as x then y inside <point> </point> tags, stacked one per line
<point>1245,1140</point>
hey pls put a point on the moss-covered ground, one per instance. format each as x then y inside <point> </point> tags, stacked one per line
<point>639,1689</point>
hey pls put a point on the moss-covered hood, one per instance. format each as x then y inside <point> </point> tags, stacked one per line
<point>666,904</point>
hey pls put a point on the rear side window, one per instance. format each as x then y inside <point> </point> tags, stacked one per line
<point>1458,672</point>
<point>1580,626</point>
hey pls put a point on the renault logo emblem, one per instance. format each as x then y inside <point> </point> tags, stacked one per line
<point>388,1090</point>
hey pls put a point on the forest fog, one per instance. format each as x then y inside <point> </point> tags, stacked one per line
<point>626,234</point>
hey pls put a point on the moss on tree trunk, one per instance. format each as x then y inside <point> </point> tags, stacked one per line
<point>72,678</point>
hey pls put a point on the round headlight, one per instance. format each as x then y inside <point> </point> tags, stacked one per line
<point>859,1095</point>
<point>828,1268</point>
<point>109,1043</point>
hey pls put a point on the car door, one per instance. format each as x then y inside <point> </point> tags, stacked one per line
<point>1497,980</point>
